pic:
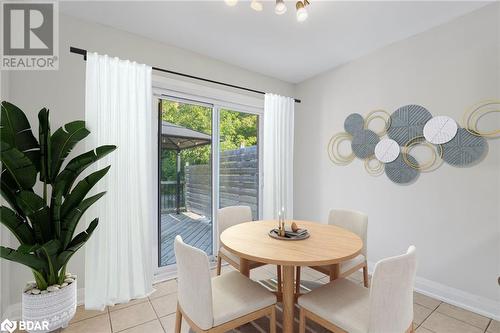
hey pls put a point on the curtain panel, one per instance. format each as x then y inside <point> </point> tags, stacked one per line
<point>278,156</point>
<point>118,111</point>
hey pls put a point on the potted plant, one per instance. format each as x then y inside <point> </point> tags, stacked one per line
<point>43,225</point>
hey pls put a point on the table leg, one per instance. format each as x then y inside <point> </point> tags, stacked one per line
<point>334,272</point>
<point>245,267</point>
<point>288,298</point>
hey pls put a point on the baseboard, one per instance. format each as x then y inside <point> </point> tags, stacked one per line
<point>478,304</point>
<point>14,311</point>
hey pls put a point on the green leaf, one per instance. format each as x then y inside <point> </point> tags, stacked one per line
<point>16,132</point>
<point>39,214</point>
<point>51,250</point>
<point>70,221</point>
<point>63,141</point>
<point>9,189</point>
<point>20,167</point>
<point>77,243</point>
<point>77,165</point>
<point>44,138</point>
<point>81,190</point>
<point>28,248</point>
<point>17,225</point>
<point>29,260</point>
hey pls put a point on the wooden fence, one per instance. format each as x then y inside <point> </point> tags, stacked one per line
<point>239,182</point>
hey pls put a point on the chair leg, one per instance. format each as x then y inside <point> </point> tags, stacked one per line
<point>302,321</point>
<point>178,320</point>
<point>365,276</point>
<point>219,264</point>
<point>410,329</point>
<point>272,322</point>
<point>278,273</point>
<point>297,279</point>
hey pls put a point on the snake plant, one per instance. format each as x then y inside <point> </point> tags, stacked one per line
<point>45,226</point>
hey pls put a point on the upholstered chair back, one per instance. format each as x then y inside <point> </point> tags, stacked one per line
<point>391,293</point>
<point>232,215</point>
<point>353,221</point>
<point>194,287</point>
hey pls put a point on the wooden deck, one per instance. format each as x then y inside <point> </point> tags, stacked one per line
<point>195,230</point>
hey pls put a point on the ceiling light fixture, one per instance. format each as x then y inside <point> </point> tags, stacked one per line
<point>301,10</point>
<point>256,5</point>
<point>280,7</point>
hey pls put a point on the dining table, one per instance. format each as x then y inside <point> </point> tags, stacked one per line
<point>327,245</point>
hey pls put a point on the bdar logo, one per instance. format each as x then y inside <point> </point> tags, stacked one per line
<point>8,326</point>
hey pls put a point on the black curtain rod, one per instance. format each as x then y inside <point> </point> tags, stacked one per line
<point>84,54</point>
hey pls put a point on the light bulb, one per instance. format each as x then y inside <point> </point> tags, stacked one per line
<point>280,7</point>
<point>256,5</point>
<point>302,14</point>
<point>231,3</point>
<point>301,10</point>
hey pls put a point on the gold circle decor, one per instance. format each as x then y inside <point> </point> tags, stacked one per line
<point>376,170</point>
<point>471,118</point>
<point>379,114</point>
<point>333,149</point>
<point>432,164</point>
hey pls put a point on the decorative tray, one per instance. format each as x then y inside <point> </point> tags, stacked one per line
<point>300,235</point>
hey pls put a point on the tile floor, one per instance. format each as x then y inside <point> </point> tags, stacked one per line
<point>156,314</point>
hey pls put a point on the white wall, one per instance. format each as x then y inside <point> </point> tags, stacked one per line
<point>452,215</point>
<point>63,92</point>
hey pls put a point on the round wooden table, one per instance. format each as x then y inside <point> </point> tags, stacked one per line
<point>327,245</point>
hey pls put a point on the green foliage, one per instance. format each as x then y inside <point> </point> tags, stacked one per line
<point>45,231</point>
<point>237,129</point>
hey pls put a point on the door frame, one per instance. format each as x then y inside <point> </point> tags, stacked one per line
<point>186,92</point>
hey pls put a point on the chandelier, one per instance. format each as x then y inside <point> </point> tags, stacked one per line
<point>279,8</point>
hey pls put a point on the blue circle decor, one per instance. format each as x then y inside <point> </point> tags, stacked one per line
<point>407,123</point>
<point>363,143</point>
<point>464,149</point>
<point>354,123</point>
<point>400,172</point>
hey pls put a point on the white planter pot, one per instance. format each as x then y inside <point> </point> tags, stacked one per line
<point>57,307</point>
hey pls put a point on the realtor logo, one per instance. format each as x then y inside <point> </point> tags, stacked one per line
<point>29,35</point>
<point>8,326</point>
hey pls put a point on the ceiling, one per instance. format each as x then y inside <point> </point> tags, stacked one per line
<point>336,32</point>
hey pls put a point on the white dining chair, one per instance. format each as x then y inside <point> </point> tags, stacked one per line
<point>357,223</point>
<point>227,217</point>
<point>216,304</point>
<point>387,307</point>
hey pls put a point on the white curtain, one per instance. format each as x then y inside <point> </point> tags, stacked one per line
<point>118,111</point>
<point>278,156</point>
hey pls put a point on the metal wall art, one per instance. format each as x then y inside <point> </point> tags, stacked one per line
<point>389,150</point>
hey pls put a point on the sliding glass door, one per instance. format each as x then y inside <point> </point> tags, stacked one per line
<point>209,158</point>
<point>185,176</point>
<point>239,160</point>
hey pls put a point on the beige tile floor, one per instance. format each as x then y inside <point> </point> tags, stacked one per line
<point>156,314</point>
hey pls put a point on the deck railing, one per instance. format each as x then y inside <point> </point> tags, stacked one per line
<point>168,196</point>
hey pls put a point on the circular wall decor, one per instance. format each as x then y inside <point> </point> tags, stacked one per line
<point>374,170</point>
<point>400,172</point>
<point>464,149</point>
<point>333,149</point>
<point>472,116</point>
<point>354,123</point>
<point>379,114</point>
<point>407,123</point>
<point>387,150</point>
<point>432,164</point>
<point>363,143</point>
<point>440,129</point>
